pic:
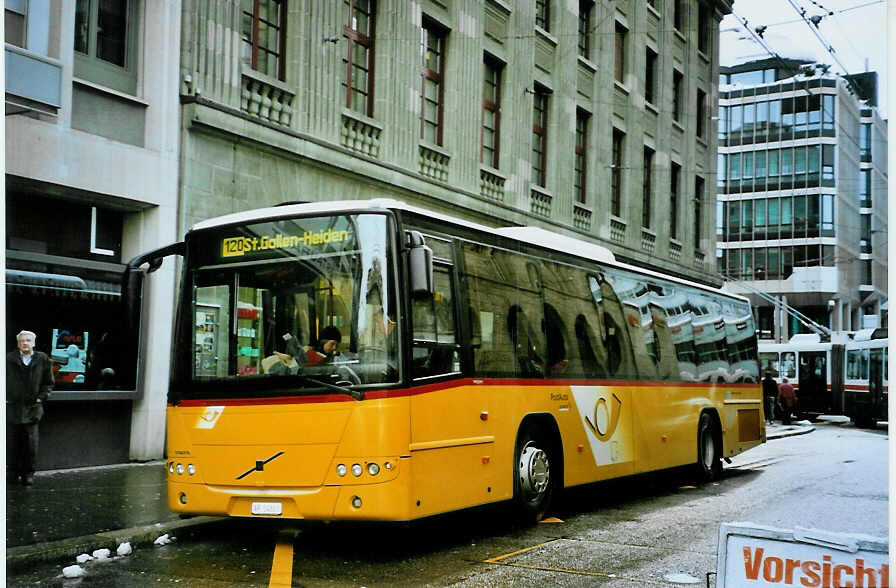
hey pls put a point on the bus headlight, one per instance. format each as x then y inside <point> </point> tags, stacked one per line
<point>180,469</point>
<point>357,470</point>
<point>341,469</point>
<point>191,469</point>
<point>373,469</point>
<point>171,467</point>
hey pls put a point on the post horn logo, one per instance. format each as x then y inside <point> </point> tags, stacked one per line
<point>603,429</point>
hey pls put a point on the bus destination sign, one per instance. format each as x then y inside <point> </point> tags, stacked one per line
<point>243,245</point>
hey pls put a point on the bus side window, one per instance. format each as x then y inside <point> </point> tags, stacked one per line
<point>554,330</point>
<point>488,291</point>
<point>589,348</point>
<point>788,364</point>
<point>620,358</point>
<point>525,344</point>
<point>666,359</point>
<point>435,349</point>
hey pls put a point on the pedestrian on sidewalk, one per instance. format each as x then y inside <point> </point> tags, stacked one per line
<point>787,400</point>
<point>29,381</point>
<point>770,391</point>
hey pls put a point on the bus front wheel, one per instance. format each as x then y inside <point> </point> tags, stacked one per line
<point>709,449</point>
<point>533,481</point>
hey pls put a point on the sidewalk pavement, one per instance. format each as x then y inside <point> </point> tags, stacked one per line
<point>69,512</point>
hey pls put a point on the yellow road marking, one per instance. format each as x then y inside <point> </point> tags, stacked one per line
<point>518,552</point>
<point>281,568</point>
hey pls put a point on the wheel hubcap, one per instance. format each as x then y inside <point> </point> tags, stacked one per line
<point>535,470</point>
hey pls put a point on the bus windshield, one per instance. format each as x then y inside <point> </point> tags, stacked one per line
<point>289,306</point>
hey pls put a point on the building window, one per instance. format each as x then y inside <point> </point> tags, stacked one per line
<point>865,188</point>
<point>585,9</point>
<point>358,60</point>
<point>703,31</point>
<point>701,113</point>
<point>263,36</point>
<point>677,94</point>
<point>865,141</point>
<point>432,50</point>
<point>106,43</point>
<point>582,119</point>
<point>619,63</point>
<point>650,93</point>
<point>14,17</point>
<point>616,173</point>
<point>491,112</point>
<point>647,187</point>
<point>543,14</point>
<point>698,210</point>
<point>539,136</point>
<point>677,15</point>
<point>674,187</point>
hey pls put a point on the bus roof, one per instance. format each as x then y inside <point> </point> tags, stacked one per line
<point>526,234</point>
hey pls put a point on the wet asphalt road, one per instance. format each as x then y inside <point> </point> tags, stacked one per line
<point>621,534</point>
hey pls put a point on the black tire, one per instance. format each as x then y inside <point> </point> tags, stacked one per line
<point>533,478</point>
<point>709,449</point>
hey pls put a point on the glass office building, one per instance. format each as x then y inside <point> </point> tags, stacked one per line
<point>802,194</point>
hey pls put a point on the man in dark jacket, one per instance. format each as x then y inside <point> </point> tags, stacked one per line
<point>770,391</point>
<point>29,381</point>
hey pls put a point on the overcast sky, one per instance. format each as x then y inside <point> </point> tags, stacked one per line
<point>857,31</point>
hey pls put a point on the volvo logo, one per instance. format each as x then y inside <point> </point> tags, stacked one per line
<point>259,465</point>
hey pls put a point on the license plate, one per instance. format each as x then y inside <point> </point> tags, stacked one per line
<point>267,508</point>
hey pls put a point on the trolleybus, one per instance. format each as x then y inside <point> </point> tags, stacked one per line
<point>866,384</point>
<point>473,365</point>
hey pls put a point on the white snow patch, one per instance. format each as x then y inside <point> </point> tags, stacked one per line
<point>124,549</point>
<point>84,557</point>
<point>680,578</point>
<point>163,540</point>
<point>102,553</point>
<point>74,571</point>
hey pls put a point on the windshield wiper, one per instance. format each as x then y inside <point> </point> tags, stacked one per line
<point>356,394</point>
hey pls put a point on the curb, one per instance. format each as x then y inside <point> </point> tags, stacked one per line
<point>790,432</point>
<point>17,557</point>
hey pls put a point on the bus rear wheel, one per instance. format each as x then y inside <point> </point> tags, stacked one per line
<point>709,449</point>
<point>533,480</point>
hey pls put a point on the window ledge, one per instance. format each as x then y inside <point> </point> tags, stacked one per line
<point>106,90</point>
<point>540,190</point>
<point>587,64</point>
<point>651,107</point>
<point>680,35</point>
<point>702,141</point>
<point>703,56</point>
<point>621,87</point>
<point>266,79</point>
<point>348,113</point>
<point>546,35</point>
<point>492,171</point>
<point>502,5</point>
<point>677,125</point>
<point>434,148</point>
<point>653,11</point>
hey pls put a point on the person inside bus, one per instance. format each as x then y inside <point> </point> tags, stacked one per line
<point>787,400</point>
<point>325,350</point>
<point>770,391</point>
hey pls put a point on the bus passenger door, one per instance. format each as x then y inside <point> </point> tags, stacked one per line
<point>812,396</point>
<point>878,406</point>
<point>449,436</point>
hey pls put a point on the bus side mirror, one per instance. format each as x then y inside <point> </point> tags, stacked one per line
<point>419,265</point>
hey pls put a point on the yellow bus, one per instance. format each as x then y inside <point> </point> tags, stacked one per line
<point>472,365</point>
